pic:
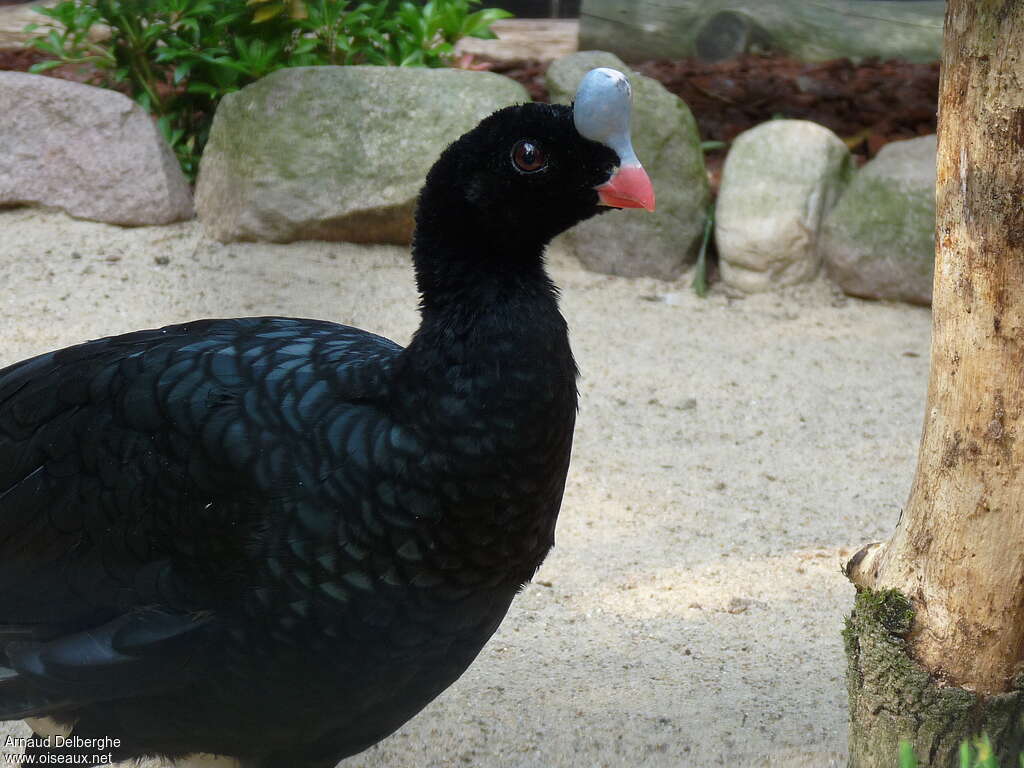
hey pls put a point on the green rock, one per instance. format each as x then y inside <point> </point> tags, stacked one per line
<point>336,153</point>
<point>779,180</point>
<point>879,240</point>
<point>636,242</point>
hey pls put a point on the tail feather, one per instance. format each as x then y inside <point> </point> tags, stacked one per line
<point>20,699</point>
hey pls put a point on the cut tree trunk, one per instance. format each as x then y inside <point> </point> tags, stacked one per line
<point>958,550</point>
<point>638,30</point>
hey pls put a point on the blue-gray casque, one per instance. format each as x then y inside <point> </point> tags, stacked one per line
<point>602,112</point>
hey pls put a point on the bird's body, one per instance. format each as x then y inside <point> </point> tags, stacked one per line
<point>349,518</point>
<point>278,539</point>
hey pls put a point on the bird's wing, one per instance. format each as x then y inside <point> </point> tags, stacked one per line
<point>137,473</point>
<point>141,652</point>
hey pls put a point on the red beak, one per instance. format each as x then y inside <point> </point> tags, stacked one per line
<point>630,187</point>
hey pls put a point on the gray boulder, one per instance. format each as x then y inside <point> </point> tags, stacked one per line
<point>635,242</point>
<point>90,152</point>
<point>336,153</point>
<point>779,180</point>
<point>879,240</point>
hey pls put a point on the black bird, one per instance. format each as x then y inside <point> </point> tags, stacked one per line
<point>278,539</point>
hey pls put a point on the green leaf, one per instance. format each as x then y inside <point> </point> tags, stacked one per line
<point>153,31</point>
<point>412,60</point>
<point>43,66</point>
<point>206,88</point>
<point>986,756</point>
<point>182,71</point>
<point>906,755</point>
<point>192,25</point>
<point>700,275</point>
<point>965,755</point>
<point>479,24</point>
<point>267,12</point>
<point>164,124</point>
<point>46,46</point>
<point>304,45</point>
<point>45,11</point>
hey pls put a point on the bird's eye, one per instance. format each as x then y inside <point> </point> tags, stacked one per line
<point>528,157</point>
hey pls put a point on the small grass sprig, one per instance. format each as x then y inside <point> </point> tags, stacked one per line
<point>700,274</point>
<point>974,753</point>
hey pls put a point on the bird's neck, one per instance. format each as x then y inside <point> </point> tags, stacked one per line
<point>490,328</point>
<point>467,269</point>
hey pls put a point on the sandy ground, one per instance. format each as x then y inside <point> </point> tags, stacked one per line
<point>728,453</point>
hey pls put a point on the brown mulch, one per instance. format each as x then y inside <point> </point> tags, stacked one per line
<point>867,104</point>
<point>20,59</point>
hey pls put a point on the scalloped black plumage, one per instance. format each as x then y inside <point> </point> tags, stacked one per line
<point>279,539</point>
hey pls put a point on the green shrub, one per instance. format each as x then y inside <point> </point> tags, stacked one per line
<point>178,58</point>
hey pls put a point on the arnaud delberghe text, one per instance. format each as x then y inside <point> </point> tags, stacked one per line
<point>101,744</point>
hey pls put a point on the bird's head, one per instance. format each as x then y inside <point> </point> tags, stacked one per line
<point>528,172</point>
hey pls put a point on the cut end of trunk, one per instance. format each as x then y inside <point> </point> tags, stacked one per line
<point>863,568</point>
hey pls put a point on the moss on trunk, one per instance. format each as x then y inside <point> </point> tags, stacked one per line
<point>893,698</point>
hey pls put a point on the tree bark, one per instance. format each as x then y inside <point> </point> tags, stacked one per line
<point>958,550</point>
